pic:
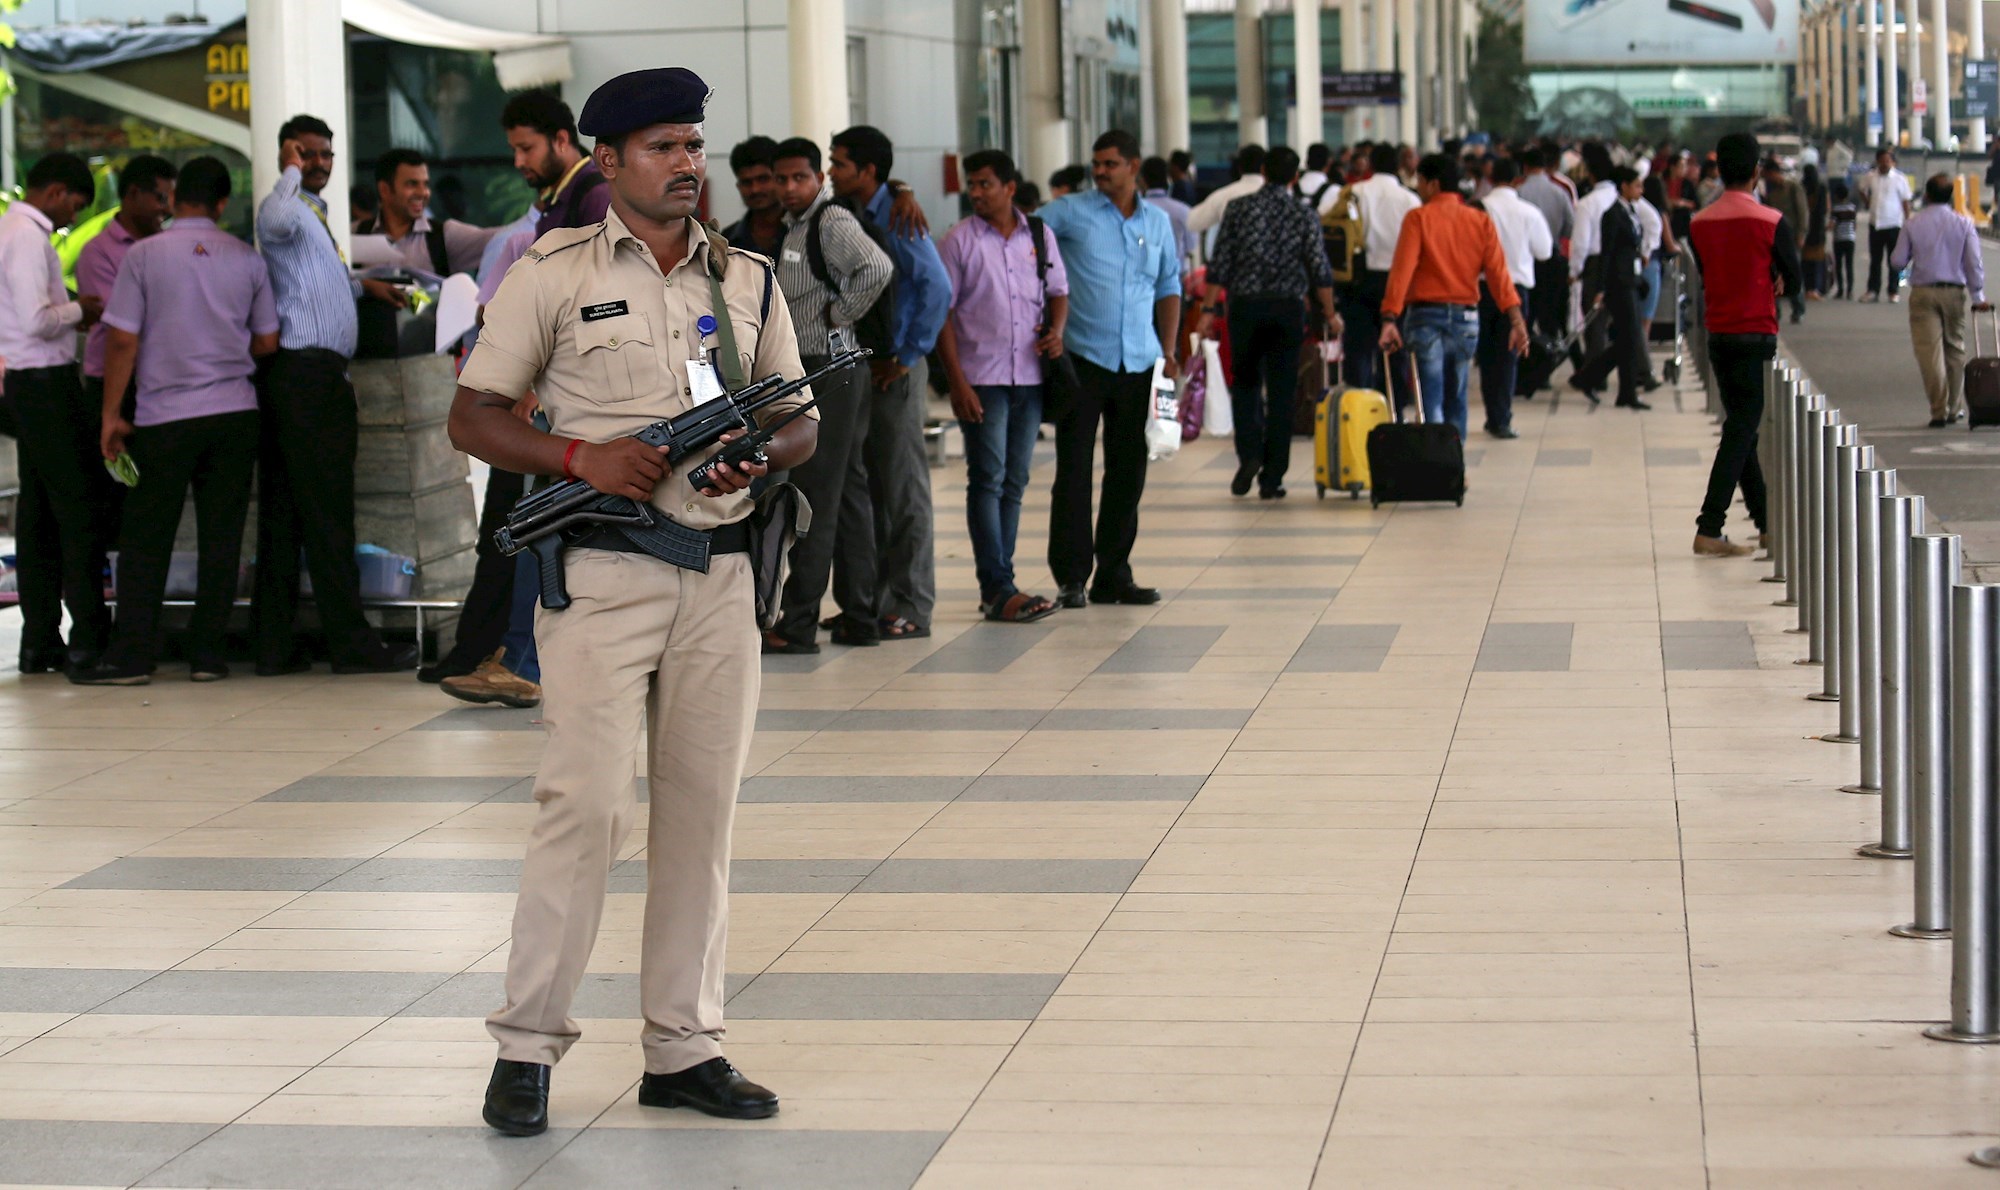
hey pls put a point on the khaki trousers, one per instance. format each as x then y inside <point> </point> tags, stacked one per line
<point>645,646</point>
<point>1937,332</point>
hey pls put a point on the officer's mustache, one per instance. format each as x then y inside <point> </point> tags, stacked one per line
<point>687,181</point>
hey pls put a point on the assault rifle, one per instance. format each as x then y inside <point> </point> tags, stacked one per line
<point>547,520</point>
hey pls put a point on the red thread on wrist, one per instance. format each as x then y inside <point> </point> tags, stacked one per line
<point>568,455</point>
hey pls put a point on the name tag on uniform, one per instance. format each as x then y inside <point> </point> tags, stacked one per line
<point>703,381</point>
<point>604,310</point>
<point>791,256</point>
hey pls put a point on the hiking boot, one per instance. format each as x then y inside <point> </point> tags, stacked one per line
<point>493,682</point>
<point>1720,547</point>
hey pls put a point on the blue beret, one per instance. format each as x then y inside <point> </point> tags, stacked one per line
<point>643,98</point>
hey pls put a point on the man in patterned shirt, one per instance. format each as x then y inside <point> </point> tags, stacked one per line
<point>1269,257</point>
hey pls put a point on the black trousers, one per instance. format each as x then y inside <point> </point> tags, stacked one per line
<point>305,499</point>
<point>1625,350</point>
<point>1496,358</point>
<point>216,456</point>
<point>1843,269</point>
<point>1548,312</point>
<point>1360,305</point>
<point>822,479</point>
<point>1594,337</point>
<point>1122,402</point>
<point>1738,362</point>
<point>1881,242</point>
<point>1265,337</point>
<point>483,620</point>
<point>62,515</point>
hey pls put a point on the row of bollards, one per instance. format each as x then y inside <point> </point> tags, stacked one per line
<point>1908,653</point>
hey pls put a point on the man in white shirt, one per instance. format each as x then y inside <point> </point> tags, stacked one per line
<point>1249,180</point>
<point>1525,238</point>
<point>1888,194</point>
<point>1317,186</point>
<point>1382,201</point>
<point>1585,243</point>
<point>60,544</point>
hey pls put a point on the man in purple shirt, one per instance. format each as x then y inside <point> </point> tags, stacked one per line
<point>570,192</point>
<point>1009,304</point>
<point>1940,247</point>
<point>191,310</point>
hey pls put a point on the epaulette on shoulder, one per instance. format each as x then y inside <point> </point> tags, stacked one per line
<point>559,239</point>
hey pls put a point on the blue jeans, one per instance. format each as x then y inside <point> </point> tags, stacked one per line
<point>520,639</point>
<point>1444,340</point>
<point>1651,302</point>
<point>998,451</point>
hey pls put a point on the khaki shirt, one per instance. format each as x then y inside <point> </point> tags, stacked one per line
<point>588,323</point>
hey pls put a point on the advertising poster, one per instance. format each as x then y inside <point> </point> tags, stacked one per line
<point>1605,33</point>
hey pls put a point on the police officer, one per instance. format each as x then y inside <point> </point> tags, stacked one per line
<point>612,326</point>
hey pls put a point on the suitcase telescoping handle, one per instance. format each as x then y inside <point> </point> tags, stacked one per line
<point>1416,389</point>
<point>1979,351</point>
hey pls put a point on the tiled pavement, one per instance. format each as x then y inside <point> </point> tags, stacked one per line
<point>1427,847</point>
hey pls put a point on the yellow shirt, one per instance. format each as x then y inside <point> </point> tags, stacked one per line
<point>590,323</point>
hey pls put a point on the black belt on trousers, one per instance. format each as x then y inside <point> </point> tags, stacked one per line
<point>674,544</point>
<point>47,371</point>
<point>323,354</point>
<point>1941,285</point>
<point>1441,306</point>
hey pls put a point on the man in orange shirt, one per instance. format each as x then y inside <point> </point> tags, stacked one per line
<point>1433,300</point>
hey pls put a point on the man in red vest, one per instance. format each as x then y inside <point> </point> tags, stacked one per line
<point>1748,257</point>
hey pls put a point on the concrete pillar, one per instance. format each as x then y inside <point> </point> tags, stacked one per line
<point>1045,135</point>
<point>1310,124</point>
<point>1913,60</point>
<point>1871,67</point>
<point>1428,122</point>
<point>1450,110</point>
<point>1941,72</point>
<point>298,65</point>
<point>1251,126</point>
<point>818,62</point>
<point>1406,63</point>
<point>1892,103</point>
<point>1353,56</point>
<point>1841,72</point>
<point>1170,75</point>
<point>1975,48</point>
<point>1381,56</point>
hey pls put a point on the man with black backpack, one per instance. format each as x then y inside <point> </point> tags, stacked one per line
<point>834,277</point>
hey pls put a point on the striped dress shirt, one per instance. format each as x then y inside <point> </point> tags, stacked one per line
<point>859,267</point>
<point>315,291</point>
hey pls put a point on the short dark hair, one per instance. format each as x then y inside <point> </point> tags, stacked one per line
<point>1281,165</point>
<point>1531,158</point>
<point>1250,160</point>
<point>867,145</point>
<point>1597,159</point>
<point>1623,175</point>
<point>752,152</point>
<point>1317,155</point>
<point>1885,151</point>
<point>1027,195</point>
<point>65,169</point>
<point>1441,168</point>
<point>540,110</point>
<point>797,146</point>
<point>303,125</point>
<point>1382,158</point>
<point>388,163</point>
<point>204,182</point>
<point>1153,171</point>
<point>1736,158</point>
<point>1937,189</point>
<point>1504,170</point>
<point>144,172</point>
<point>1070,177</point>
<point>1182,159</point>
<point>1001,165</point>
<point>1119,139</point>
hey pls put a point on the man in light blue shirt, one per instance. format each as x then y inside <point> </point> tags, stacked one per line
<point>884,572</point>
<point>1124,315</point>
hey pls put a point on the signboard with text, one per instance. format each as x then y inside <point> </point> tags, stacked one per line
<point>1342,89</point>
<point>1982,90</point>
<point>1659,32</point>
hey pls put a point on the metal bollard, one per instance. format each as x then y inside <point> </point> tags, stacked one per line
<point>1777,408</point>
<point>1851,459</point>
<point>1893,517</point>
<point>1975,915</point>
<point>1812,597</point>
<point>1835,558</point>
<point>1869,488</point>
<point>1797,581</point>
<point>1934,563</point>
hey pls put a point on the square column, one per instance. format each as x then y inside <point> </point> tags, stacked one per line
<point>298,66</point>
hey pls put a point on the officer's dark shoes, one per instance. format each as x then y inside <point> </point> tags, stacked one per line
<point>105,674</point>
<point>1239,485</point>
<point>783,646</point>
<point>53,661</point>
<point>1071,595</point>
<point>517,1098</point>
<point>714,1087</point>
<point>1130,593</point>
<point>381,659</point>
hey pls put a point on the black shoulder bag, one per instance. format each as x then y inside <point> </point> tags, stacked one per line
<point>1060,385</point>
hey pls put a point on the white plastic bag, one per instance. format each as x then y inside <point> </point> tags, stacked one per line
<point>1218,416</point>
<point>1163,430</point>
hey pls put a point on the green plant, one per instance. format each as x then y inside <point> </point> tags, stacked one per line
<point>7,43</point>
<point>1498,79</point>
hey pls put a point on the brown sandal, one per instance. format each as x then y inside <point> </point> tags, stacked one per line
<point>1018,608</point>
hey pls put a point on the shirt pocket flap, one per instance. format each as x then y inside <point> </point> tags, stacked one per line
<point>613,333</point>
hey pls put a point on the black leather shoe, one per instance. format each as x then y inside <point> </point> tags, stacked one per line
<point>714,1087</point>
<point>1634,403</point>
<point>1502,432</point>
<point>1130,593</point>
<point>382,659</point>
<point>1239,484</point>
<point>1589,394</point>
<point>517,1098</point>
<point>45,661</point>
<point>111,675</point>
<point>1071,595</point>
<point>1271,494</point>
<point>1937,423</point>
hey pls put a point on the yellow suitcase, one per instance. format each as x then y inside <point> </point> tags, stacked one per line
<point>1340,439</point>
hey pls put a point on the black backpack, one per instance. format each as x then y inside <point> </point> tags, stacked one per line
<point>875,329</point>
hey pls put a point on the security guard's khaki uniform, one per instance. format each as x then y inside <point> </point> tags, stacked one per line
<point>603,334</point>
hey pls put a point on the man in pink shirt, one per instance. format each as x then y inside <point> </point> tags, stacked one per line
<point>1009,303</point>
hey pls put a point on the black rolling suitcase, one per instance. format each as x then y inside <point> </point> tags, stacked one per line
<point>1982,379</point>
<point>1415,460</point>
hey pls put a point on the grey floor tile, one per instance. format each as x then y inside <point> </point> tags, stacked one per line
<point>391,789</point>
<point>1673,456</point>
<point>601,995</point>
<point>1316,532</point>
<point>983,649</point>
<point>802,663</point>
<point>1162,650</point>
<point>361,1158</point>
<point>1562,457</point>
<point>899,996</point>
<point>1521,648</point>
<point>1313,593</point>
<point>1083,789</point>
<point>430,876</point>
<point>214,873</point>
<point>62,989</point>
<point>730,1157</point>
<point>1143,719</point>
<point>776,720</point>
<point>936,720</point>
<point>523,790</point>
<point>1002,876</point>
<point>485,719</point>
<point>276,993</point>
<point>90,1152</point>
<point>797,875</point>
<point>852,789</point>
<point>1475,456</point>
<point>1344,648</point>
<point>1707,644</point>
